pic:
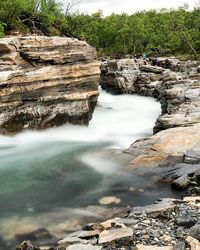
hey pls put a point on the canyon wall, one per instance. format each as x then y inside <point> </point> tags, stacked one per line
<point>46,82</point>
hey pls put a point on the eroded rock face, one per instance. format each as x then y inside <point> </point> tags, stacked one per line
<point>45,82</point>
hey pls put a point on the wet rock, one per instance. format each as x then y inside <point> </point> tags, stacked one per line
<point>155,210</point>
<point>115,234</point>
<point>107,200</point>
<point>192,199</point>
<point>85,234</point>
<point>180,170</point>
<point>181,183</point>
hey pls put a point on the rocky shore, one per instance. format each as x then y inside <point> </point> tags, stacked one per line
<point>46,82</point>
<point>169,224</point>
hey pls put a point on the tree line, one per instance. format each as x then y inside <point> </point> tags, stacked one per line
<point>164,31</point>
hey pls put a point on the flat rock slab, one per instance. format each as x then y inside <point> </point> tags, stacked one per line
<point>192,199</point>
<point>160,148</point>
<point>83,247</point>
<point>115,234</point>
<point>180,170</point>
<point>71,240</point>
<point>155,210</point>
<point>153,69</point>
<point>142,247</point>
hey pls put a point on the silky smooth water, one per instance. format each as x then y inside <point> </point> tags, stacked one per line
<point>71,167</point>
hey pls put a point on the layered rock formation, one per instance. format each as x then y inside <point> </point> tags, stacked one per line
<point>45,82</point>
<point>178,92</point>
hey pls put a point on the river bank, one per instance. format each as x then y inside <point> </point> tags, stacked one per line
<point>170,224</point>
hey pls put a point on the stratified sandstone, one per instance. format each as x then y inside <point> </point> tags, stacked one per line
<point>45,82</point>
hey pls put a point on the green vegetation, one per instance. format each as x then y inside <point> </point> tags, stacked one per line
<point>171,31</point>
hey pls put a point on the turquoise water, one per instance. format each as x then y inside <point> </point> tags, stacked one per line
<point>63,170</point>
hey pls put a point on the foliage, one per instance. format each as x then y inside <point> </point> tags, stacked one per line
<point>170,31</point>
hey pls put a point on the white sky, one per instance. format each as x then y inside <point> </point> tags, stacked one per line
<point>128,6</point>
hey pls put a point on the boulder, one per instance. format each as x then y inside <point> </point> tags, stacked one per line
<point>155,210</point>
<point>152,69</point>
<point>195,231</point>
<point>167,146</point>
<point>115,234</point>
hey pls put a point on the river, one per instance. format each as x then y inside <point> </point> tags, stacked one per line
<point>46,176</point>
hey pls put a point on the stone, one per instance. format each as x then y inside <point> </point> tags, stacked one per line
<point>182,182</point>
<point>153,69</point>
<point>166,238</point>
<point>163,147</point>
<point>107,200</point>
<point>194,231</point>
<point>155,210</point>
<point>194,243</point>
<point>115,234</point>
<point>27,245</point>
<point>192,199</point>
<point>83,247</point>
<point>46,82</point>
<point>185,221</point>
<point>180,170</point>
<point>180,246</point>
<point>142,247</point>
<point>85,234</point>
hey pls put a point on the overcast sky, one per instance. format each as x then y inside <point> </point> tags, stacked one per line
<point>129,6</point>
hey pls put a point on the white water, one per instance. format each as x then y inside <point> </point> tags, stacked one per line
<point>117,122</point>
<point>73,166</point>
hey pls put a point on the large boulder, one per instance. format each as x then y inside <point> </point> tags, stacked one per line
<point>45,82</point>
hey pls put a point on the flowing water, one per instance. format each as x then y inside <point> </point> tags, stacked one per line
<point>62,170</point>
